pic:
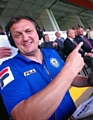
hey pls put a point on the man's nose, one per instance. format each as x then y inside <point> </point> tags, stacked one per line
<point>25,36</point>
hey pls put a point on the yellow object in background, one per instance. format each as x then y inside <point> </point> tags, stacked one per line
<point>79,95</point>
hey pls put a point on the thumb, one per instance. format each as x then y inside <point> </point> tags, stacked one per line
<point>78,46</point>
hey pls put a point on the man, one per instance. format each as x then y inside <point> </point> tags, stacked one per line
<point>47,43</point>
<point>35,83</point>
<point>87,46</point>
<point>70,44</point>
<point>87,30</point>
<point>52,44</point>
<point>58,36</point>
<point>75,30</point>
<point>59,40</point>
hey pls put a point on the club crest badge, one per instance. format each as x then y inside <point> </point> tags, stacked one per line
<point>54,62</point>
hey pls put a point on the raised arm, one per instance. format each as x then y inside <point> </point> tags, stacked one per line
<point>44,103</point>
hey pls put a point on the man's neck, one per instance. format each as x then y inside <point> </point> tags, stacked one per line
<point>58,37</point>
<point>71,39</point>
<point>35,56</point>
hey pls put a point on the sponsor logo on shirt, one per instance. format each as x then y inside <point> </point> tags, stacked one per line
<point>6,77</point>
<point>54,62</point>
<point>29,72</point>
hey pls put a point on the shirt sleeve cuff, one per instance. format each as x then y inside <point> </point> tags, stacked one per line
<point>91,50</point>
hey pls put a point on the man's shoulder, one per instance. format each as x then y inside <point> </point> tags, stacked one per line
<point>56,39</point>
<point>8,61</point>
<point>67,40</point>
<point>77,37</point>
<point>49,51</point>
<point>63,38</point>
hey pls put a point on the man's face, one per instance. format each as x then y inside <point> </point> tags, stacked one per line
<point>25,37</point>
<point>58,34</point>
<point>71,34</point>
<point>47,38</point>
<point>80,31</point>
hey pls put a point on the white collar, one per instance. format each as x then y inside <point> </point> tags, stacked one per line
<point>71,39</point>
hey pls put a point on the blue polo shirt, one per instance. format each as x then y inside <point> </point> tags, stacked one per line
<point>21,78</point>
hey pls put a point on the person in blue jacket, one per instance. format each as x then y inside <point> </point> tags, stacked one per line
<point>34,84</point>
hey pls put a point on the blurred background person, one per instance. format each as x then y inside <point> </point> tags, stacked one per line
<point>75,30</point>
<point>60,42</point>
<point>87,30</point>
<point>90,36</point>
<point>87,45</point>
<point>58,37</point>
<point>47,43</point>
<point>70,44</point>
<point>52,44</point>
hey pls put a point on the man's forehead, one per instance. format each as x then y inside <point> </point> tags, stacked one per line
<point>23,23</point>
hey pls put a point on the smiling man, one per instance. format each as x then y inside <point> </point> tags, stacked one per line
<point>35,82</point>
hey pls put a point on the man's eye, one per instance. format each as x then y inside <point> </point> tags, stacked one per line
<point>29,31</point>
<point>17,35</point>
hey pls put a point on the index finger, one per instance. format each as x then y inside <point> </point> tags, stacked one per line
<point>78,46</point>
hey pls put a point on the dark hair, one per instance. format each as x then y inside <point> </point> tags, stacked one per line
<point>17,19</point>
<point>74,28</point>
<point>44,36</point>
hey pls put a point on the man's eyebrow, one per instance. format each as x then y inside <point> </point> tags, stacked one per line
<point>17,31</point>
